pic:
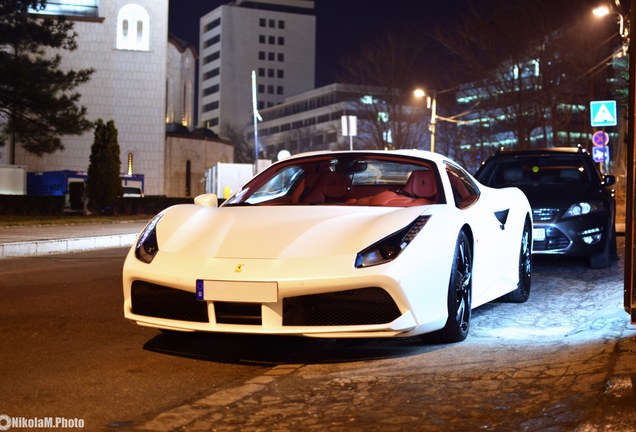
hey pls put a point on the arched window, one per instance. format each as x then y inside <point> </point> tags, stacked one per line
<point>133,28</point>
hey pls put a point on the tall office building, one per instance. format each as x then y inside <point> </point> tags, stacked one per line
<point>274,38</point>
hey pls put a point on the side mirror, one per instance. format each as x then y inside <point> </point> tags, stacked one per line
<point>609,180</point>
<point>207,200</point>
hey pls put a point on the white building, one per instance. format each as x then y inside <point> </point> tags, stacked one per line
<point>275,38</point>
<point>126,44</point>
<point>144,80</point>
<point>180,83</point>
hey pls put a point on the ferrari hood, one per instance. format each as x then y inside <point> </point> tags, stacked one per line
<point>277,232</point>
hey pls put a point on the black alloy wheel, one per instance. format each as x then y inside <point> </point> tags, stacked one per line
<point>459,295</point>
<point>522,292</point>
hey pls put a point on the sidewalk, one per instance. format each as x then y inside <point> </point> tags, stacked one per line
<point>47,239</point>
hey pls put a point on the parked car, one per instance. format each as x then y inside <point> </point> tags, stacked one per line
<point>335,244</point>
<point>573,204</point>
<point>131,192</point>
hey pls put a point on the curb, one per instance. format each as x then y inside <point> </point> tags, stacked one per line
<point>45,247</point>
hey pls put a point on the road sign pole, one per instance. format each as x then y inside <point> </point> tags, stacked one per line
<point>630,294</point>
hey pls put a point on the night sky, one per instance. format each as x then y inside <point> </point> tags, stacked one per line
<point>341,25</point>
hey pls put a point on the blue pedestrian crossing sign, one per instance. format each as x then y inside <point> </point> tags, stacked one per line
<point>603,113</point>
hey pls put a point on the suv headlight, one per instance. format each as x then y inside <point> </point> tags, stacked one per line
<point>147,245</point>
<point>583,208</point>
<point>390,247</point>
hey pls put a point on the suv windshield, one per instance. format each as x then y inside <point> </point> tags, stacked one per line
<point>535,170</point>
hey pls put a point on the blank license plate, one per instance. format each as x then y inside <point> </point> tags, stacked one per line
<point>237,291</point>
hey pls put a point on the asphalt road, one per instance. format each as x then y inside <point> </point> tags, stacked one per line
<point>551,364</point>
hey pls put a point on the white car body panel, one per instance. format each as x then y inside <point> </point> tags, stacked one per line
<point>291,251</point>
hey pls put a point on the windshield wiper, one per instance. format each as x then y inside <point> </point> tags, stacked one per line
<point>239,204</point>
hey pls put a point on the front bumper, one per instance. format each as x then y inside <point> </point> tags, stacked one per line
<point>578,236</point>
<point>355,303</point>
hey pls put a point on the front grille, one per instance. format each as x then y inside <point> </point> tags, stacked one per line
<point>163,302</point>
<point>554,240</point>
<point>238,313</point>
<point>544,214</point>
<point>362,306</point>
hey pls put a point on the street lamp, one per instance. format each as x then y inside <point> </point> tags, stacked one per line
<point>623,23</point>
<point>431,102</point>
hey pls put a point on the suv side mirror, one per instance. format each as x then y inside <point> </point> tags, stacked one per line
<point>609,180</point>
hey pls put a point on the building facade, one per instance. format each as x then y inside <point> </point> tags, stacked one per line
<point>126,44</point>
<point>313,121</point>
<point>309,121</point>
<point>274,38</point>
<point>144,80</point>
<point>180,83</point>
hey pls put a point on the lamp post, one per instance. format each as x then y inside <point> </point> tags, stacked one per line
<point>629,47</point>
<point>431,102</point>
<point>630,276</point>
<point>256,116</point>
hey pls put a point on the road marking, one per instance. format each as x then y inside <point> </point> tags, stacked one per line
<point>185,414</point>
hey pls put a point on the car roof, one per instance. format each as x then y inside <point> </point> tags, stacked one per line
<point>540,151</point>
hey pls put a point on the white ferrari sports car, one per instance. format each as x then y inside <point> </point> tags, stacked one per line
<point>335,244</point>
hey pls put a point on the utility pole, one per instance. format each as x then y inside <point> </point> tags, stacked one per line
<point>630,293</point>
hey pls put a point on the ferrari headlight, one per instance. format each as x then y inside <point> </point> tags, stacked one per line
<point>390,247</point>
<point>583,208</point>
<point>147,246</point>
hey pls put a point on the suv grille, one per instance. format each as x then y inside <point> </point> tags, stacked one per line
<point>554,240</point>
<point>544,214</point>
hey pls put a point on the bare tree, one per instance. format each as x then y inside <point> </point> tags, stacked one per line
<point>243,150</point>
<point>383,73</point>
<point>531,64</point>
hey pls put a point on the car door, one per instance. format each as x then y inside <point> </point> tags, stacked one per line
<point>487,218</point>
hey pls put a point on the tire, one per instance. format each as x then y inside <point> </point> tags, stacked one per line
<point>605,258</point>
<point>522,292</point>
<point>459,296</point>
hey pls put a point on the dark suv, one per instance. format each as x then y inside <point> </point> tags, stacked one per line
<point>573,205</point>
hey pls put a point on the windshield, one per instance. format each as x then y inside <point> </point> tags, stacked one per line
<point>343,180</point>
<point>536,170</point>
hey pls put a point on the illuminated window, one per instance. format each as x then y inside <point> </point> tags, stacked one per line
<point>133,28</point>
<point>129,165</point>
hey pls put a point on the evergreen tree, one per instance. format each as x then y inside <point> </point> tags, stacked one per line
<point>37,102</point>
<point>104,183</point>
